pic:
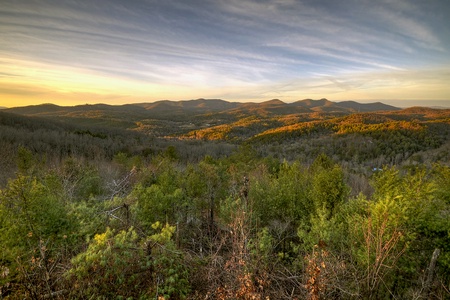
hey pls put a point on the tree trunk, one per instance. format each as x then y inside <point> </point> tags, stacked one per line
<point>430,273</point>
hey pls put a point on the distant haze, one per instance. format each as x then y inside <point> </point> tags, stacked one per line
<point>117,52</point>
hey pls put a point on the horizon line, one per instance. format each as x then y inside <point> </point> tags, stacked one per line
<point>361,101</point>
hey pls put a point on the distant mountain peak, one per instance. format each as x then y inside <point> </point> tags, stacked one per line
<point>313,103</point>
<point>273,101</point>
<point>366,107</point>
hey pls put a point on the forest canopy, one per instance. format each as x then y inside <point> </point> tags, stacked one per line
<point>350,208</point>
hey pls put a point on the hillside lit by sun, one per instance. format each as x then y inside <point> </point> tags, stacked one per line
<point>117,52</point>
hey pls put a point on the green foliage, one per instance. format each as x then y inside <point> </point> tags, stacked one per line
<point>163,200</point>
<point>244,158</point>
<point>114,265</point>
<point>121,158</point>
<point>262,247</point>
<point>328,190</point>
<point>25,159</point>
<point>79,181</point>
<point>28,208</point>
<point>382,240</point>
<point>228,208</point>
<point>264,244</point>
<point>204,186</point>
<point>171,153</point>
<point>35,231</point>
<point>89,220</point>
<point>281,197</point>
<point>441,174</point>
<point>322,162</point>
<point>197,187</point>
<point>395,234</point>
<point>171,275</point>
<point>155,204</point>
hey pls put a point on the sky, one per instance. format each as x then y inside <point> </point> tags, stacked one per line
<point>71,52</point>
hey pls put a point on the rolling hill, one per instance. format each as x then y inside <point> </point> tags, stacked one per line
<point>190,118</point>
<point>372,133</point>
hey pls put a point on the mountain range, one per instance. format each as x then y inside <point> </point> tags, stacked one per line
<point>278,128</point>
<point>167,109</point>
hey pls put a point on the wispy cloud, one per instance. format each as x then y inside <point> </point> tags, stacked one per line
<point>235,48</point>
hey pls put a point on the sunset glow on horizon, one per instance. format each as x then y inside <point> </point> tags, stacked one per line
<point>118,52</point>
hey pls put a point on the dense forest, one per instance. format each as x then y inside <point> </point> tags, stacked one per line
<point>316,206</point>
